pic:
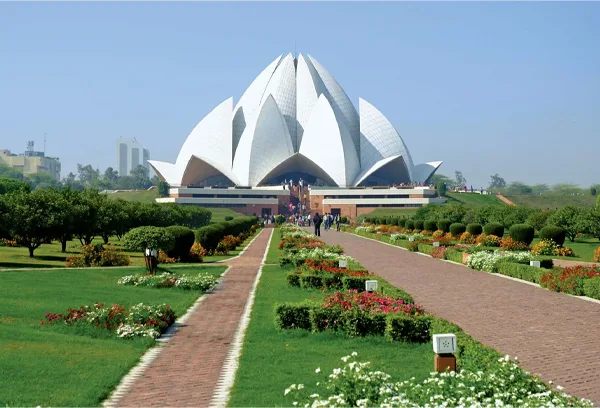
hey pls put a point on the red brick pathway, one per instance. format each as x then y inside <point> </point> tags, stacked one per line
<point>187,370</point>
<point>553,334</point>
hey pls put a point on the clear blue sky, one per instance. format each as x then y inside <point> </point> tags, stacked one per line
<point>487,87</point>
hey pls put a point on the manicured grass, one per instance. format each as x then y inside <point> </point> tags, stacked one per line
<point>66,366</point>
<point>390,212</point>
<point>583,247</point>
<point>145,196</point>
<point>49,255</point>
<point>272,359</point>
<point>552,201</point>
<point>273,251</point>
<point>219,214</point>
<point>473,200</point>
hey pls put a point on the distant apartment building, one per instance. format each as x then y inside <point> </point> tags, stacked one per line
<point>130,154</point>
<point>31,162</point>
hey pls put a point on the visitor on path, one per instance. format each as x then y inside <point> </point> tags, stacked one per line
<point>317,222</point>
<point>337,222</point>
<point>308,218</point>
<point>326,220</point>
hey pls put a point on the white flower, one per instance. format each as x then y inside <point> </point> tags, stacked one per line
<point>318,370</point>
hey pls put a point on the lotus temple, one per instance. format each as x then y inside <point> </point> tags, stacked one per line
<point>295,122</point>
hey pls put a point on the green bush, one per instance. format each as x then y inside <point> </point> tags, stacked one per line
<point>419,224</point>
<point>425,248</point>
<point>522,233</point>
<point>322,318</point>
<point>410,224</point>
<point>138,239</point>
<point>309,281</point>
<point>293,279</point>
<point>358,323</point>
<point>210,235</point>
<point>457,229</point>
<point>430,225</point>
<point>382,221</point>
<point>184,239</point>
<point>394,220</point>
<point>520,271</point>
<point>474,229</point>
<point>293,316</point>
<point>556,234</point>
<point>344,219</point>
<point>591,287</point>
<point>494,228</point>
<point>402,222</point>
<point>453,255</point>
<point>228,218</point>
<point>355,282</point>
<point>444,225</point>
<point>400,327</point>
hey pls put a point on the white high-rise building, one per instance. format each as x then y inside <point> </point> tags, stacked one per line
<point>130,154</point>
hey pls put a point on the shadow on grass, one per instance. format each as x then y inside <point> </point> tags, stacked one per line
<point>60,258</point>
<point>28,266</point>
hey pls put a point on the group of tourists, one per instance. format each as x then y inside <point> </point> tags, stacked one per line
<point>328,220</point>
<point>300,184</point>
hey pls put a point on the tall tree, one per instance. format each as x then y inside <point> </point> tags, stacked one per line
<point>111,175</point>
<point>87,174</point>
<point>440,178</point>
<point>496,182</point>
<point>516,187</point>
<point>459,178</point>
<point>572,219</point>
<point>141,178</point>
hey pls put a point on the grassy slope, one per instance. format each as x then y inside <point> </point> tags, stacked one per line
<point>473,200</point>
<point>272,360</point>
<point>49,255</point>
<point>552,201</point>
<point>53,365</point>
<point>387,212</point>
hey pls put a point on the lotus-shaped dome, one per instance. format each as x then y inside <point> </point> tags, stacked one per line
<point>294,119</point>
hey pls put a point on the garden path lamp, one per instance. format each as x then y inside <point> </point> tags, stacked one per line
<point>444,347</point>
<point>151,259</point>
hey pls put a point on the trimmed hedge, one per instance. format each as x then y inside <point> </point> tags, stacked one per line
<point>453,255</point>
<point>494,228</point>
<point>228,218</point>
<point>591,287</point>
<point>400,327</point>
<point>402,222</point>
<point>210,236</point>
<point>410,224</point>
<point>522,233</point>
<point>556,234</point>
<point>322,319</point>
<point>457,229</point>
<point>474,229</point>
<point>290,316</point>
<point>521,271</point>
<point>184,239</point>
<point>359,324</point>
<point>444,225</point>
<point>419,224</point>
<point>355,282</point>
<point>430,225</point>
<point>425,248</point>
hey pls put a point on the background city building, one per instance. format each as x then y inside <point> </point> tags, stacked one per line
<point>31,162</point>
<point>130,154</point>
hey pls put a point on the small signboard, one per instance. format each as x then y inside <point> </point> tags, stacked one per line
<point>343,263</point>
<point>411,239</point>
<point>371,285</point>
<point>436,244</point>
<point>535,264</point>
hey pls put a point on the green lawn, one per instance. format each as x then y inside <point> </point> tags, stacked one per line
<point>583,247</point>
<point>273,251</point>
<point>145,196</point>
<point>473,200</point>
<point>272,360</point>
<point>49,255</point>
<point>59,365</point>
<point>390,212</point>
<point>552,201</point>
<point>219,214</point>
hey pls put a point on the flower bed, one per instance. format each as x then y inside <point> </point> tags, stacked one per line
<point>569,280</point>
<point>488,261</point>
<point>203,282</point>
<point>138,321</point>
<point>98,255</point>
<point>326,274</point>
<point>355,385</point>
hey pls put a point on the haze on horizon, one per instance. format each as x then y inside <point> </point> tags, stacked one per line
<point>508,88</point>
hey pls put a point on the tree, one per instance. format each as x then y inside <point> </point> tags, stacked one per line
<point>140,177</point>
<point>593,190</point>
<point>459,179</point>
<point>42,180</point>
<point>33,218</point>
<point>86,215</point>
<point>571,219</point>
<point>539,189</point>
<point>441,189</point>
<point>163,189</point>
<point>87,174</point>
<point>516,187</point>
<point>139,239</point>
<point>539,219</point>
<point>496,182</point>
<point>111,176</point>
<point>9,185</point>
<point>566,189</point>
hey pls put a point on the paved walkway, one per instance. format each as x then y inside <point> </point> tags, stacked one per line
<point>553,334</point>
<point>187,370</point>
<point>567,264</point>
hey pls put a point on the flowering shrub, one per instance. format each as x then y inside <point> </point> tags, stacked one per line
<point>163,258</point>
<point>439,252</point>
<point>7,243</point>
<point>230,242</point>
<point>488,261</point>
<point>564,251</point>
<point>197,253</point>
<point>395,238</point>
<point>222,249</point>
<point>569,280</point>
<point>488,240</point>
<point>504,384</point>
<point>597,255</point>
<point>544,247</point>
<point>320,254</point>
<point>202,281</point>
<point>372,302</point>
<point>98,255</point>
<point>329,266</point>
<point>138,320</point>
<point>509,244</point>
<point>467,238</point>
<point>363,230</point>
<point>427,233</point>
<point>438,234</point>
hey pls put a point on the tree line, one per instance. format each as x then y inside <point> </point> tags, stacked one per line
<point>32,218</point>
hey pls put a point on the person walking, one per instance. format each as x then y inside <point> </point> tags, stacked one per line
<point>317,223</point>
<point>308,218</point>
<point>325,221</point>
<point>337,222</point>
